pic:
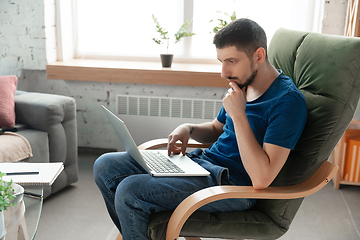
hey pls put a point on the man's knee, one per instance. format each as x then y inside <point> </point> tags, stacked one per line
<point>102,166</point>
<point>131,190</point>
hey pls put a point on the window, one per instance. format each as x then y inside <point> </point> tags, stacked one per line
<point>302,15</point>
<point>124,29</point>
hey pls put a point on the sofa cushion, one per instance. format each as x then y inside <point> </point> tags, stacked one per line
<point>7,100</point>
<point>39,142</point>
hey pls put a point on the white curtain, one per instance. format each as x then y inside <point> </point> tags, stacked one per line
<point>352,22</point>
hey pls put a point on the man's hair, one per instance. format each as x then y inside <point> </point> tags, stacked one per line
<point>245,34</point>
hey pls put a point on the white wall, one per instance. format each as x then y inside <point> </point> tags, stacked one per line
<point>93,127</point>
<point>334,17</point>
<point>27,43</point>
<point>27,35</point>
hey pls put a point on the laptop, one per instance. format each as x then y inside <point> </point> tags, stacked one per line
<point>179,165</point>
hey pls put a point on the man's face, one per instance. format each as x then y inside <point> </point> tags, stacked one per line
<point>236,66</point>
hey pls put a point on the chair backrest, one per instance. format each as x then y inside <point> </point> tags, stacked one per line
<point>326,69</point>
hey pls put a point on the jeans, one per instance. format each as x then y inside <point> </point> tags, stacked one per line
<point>131,194</point>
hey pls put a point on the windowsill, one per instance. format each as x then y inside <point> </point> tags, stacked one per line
<point>181,74</point>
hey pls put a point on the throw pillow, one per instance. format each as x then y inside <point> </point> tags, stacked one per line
<point>7,100</point>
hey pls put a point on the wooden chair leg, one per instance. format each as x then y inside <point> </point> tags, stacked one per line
<point>339,160</point>
<point>119,237</point>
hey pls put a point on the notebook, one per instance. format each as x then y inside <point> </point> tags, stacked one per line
<point>185,164</point>
<point>24,173</point>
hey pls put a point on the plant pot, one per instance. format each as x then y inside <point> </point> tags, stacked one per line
<point>18,193</point>
<point>2,224</point>
<point>18,196</point>
<point>166,59</point>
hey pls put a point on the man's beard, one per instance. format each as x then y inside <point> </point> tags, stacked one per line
<point>248,81</point>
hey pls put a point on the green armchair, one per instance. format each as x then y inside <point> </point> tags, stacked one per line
<point>327,70</point>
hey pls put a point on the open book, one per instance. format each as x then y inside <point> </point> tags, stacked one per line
<point>24,173</point>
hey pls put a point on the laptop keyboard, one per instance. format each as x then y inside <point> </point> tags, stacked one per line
<point>159,163</point>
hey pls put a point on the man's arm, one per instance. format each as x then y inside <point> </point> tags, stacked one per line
<point>261,163</point>
<point>205,133</point>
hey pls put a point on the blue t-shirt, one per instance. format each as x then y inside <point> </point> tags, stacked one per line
<point>278,117</point>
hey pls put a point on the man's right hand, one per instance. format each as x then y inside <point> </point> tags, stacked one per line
<point>182,134</point>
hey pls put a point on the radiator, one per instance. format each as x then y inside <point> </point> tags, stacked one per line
<point>152,117</point>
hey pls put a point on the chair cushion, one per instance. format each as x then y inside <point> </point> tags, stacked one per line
<point>248,224</point>
<point>326,70</point>
<point>7,100</point>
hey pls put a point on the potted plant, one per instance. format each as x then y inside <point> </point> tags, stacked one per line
<point>164,38</point>
<point>7,194</point>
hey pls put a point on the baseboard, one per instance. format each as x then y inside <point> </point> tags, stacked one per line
<point>91,150</point>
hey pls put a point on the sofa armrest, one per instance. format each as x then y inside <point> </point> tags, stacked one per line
<point>56,115</point>
<point>42,111</point>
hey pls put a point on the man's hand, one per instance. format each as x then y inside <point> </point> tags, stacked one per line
<point>235,100</point>
<point>181,133</point>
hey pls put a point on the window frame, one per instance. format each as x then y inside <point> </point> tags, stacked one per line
<point>66,28</point>
<point>67,67</point>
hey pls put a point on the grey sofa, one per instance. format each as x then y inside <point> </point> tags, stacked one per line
<point>48,122</point>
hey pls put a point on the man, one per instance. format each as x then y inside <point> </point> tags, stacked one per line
<point>253,134</point>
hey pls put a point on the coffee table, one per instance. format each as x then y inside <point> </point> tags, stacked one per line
<point>21,220</point>
<point>25,228</point>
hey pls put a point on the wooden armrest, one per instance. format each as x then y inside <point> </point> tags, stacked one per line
<point>318,180</point>
<point>162,143</point>
<point>355,121</point>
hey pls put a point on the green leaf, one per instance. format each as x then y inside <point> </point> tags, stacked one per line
<point>163,33</point>
<point>183,31</point>
<point>6,193</point>
<point>233,16</point>
<point>157,41</point>
<point>221,22</point>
